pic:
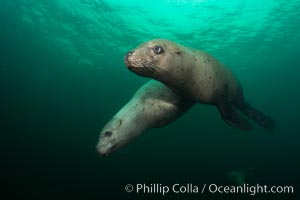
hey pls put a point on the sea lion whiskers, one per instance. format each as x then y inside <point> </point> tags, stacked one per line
<point>156,67</point>
<point>148,65</point>
<point>160,68</point>
<point>139,64</point>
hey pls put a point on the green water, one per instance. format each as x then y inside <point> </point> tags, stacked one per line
<point>62,78</point>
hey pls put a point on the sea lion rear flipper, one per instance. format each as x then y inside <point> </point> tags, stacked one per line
<point>257,116</point>
<point>231,117</point>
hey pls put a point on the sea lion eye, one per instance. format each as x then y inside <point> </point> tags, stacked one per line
<point>107,134</point>
<point>158,49</point>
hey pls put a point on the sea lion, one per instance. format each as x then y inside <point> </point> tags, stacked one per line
<point>153,105</point>
<point>198,76</point>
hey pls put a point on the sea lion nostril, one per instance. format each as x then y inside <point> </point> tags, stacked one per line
<point>126,58</point>
<point>107,134</point>
<point>129,53</point>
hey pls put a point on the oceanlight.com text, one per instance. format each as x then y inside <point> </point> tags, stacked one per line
<point>190,188</point>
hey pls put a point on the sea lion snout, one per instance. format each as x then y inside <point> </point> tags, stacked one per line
<point>104,149</point>
<point>126,57</point>
<point>106,143</point>
<point>102,152</point>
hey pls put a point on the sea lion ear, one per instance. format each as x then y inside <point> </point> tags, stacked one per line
<point>178,51</point>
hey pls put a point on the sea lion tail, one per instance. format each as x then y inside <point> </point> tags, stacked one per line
<point>258,117</point>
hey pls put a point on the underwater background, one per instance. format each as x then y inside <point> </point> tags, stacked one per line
<point>62,78</point>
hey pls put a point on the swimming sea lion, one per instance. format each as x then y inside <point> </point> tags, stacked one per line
<point>198,76</point>
<point>153,105</point>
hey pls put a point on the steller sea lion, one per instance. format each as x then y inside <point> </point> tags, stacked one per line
<point>198,76</point>
<point>153,105</point>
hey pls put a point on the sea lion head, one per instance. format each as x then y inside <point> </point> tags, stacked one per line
<point>112,137</point>
<point>107,143</point>
<point>154,59</point>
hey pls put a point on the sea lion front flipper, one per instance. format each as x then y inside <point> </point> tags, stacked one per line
<point>231,117</point>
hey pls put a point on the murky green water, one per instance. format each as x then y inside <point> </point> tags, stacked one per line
<point>62,78</point>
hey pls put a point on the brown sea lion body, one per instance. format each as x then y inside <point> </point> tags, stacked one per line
<point>153,105</point>
<point>198,76</point>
